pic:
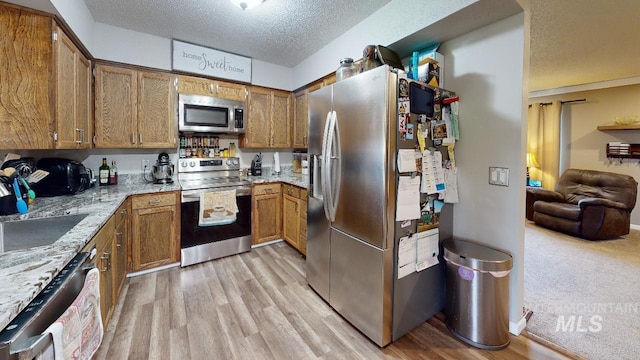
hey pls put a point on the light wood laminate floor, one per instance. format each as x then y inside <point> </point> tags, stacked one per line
<point>257,305</point>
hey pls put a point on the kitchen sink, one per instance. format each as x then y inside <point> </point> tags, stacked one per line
<point>24,234</point>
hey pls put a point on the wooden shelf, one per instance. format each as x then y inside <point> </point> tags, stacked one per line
<point>619,127</point>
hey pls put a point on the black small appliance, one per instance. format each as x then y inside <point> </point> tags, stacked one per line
<point>8,197</point>
<point>256,165</point>
<point>66,177</point>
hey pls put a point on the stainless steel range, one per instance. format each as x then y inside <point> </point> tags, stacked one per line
<point>202,243</point>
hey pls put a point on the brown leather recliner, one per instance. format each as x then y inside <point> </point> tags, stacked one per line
<point>590,204</point>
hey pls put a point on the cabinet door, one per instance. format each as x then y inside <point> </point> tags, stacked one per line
<point>157,116</point>
<point>300,119</point>
<point>291,219</point>
<point>267,218</point>
<point>84,118</point>
<point>26,75</point>
<point>72,96</point>
<point>103,261</point>
<point>154,240</point>
<point>258,128</point>
<point>116,109</point>
<point>195,85</point>
<point>230,91</point>
<point>120,247</point>
<point>301,115</point>
<point>280,119</point>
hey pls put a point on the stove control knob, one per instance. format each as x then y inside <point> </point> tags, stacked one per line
<point>183,163</point>
<point>229,162</point>
<point>236,162</point>
<point>192,163</point>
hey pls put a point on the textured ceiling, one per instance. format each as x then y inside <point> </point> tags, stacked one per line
<point>283,32</point>
<point>577,42</point>
<point>573,42</point>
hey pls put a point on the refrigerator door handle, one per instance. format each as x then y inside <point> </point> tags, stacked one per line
<point>336,154</point>
<point>332,181</point>
<point>316,190</point>
<point>323,157</point>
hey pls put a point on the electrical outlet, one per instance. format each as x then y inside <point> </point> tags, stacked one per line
<point>145,164</point>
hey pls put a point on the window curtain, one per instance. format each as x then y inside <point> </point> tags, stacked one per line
<point>543,140</point>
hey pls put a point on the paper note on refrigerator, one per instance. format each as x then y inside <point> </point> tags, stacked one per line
<point>432,173</point>
<point>426,249</point>
<point>407,160</point>
<point>408,201</point>
<point>406,256</point>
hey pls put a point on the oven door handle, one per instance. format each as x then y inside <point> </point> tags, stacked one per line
<point>32,346</point>
<point>195,196</point>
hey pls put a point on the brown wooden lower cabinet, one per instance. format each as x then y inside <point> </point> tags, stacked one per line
<point>103,242</point>
<point>155,225</point>
<point>294,216</point>
<point>266,213</point>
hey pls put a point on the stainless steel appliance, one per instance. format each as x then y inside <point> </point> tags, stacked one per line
<point>352,231</point>
<point>202,243</point>
<point>23,338</point>
<point>163,170</point>
<point>200,113</point>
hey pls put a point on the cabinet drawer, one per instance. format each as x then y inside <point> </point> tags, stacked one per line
<point>291,190</point>
<point>303,209</point>
<point>266,189</point>
<point>153,200</point>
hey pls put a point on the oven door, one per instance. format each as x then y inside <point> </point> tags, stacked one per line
<point>203,243</point>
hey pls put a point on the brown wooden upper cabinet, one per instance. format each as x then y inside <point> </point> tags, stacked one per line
<point>134,109</point>
<point>26,68</point>
<point>74,124</point>
<point>301,116</point>
<point>215,88</point>
<point>268,123</point>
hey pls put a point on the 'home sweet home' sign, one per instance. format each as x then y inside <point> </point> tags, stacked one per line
<point>206,61</point>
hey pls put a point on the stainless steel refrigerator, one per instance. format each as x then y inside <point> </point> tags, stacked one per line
<point>351,229</point>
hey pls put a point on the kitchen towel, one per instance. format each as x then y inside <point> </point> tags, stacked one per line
<point>218,208</point>
<point>78,332</point>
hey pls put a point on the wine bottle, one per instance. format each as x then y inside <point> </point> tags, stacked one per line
<point>113,174</point>
<point>103,173</point>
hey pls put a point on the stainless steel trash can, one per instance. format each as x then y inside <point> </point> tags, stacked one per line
<point>477,287</point>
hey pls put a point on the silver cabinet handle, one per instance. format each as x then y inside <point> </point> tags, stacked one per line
<point>211,88</point>
<point>79,131</point>
<point>106,256</point>
<point>153,202</point>
<point>140,136</point>
<point>133,138</point>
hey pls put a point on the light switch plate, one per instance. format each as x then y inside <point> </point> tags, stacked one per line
<point>498,176</point>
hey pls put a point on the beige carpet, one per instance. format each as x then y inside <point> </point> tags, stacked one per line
<point>585,295</point>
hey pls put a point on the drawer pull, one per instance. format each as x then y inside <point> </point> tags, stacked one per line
<point>154,202</point>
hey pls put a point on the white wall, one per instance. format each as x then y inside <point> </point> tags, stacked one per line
<point>76,14</point>
<point>132,47</point>
<point>394,21</point>
<point>485,68</point>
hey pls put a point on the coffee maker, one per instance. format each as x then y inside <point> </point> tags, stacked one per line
<point>163,170</point>
<point>256,165</point>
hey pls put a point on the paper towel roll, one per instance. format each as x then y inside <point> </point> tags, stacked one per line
<point>276,162</point>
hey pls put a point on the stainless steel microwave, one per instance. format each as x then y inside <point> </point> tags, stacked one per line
<point>199,113</point>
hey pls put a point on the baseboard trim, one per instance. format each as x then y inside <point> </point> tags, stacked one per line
<point>516,327</point>
<point>634,227</point>
<point>143,272</point>
<point>267,243</point>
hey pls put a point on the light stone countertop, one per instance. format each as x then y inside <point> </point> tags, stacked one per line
<point>25,273</point>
